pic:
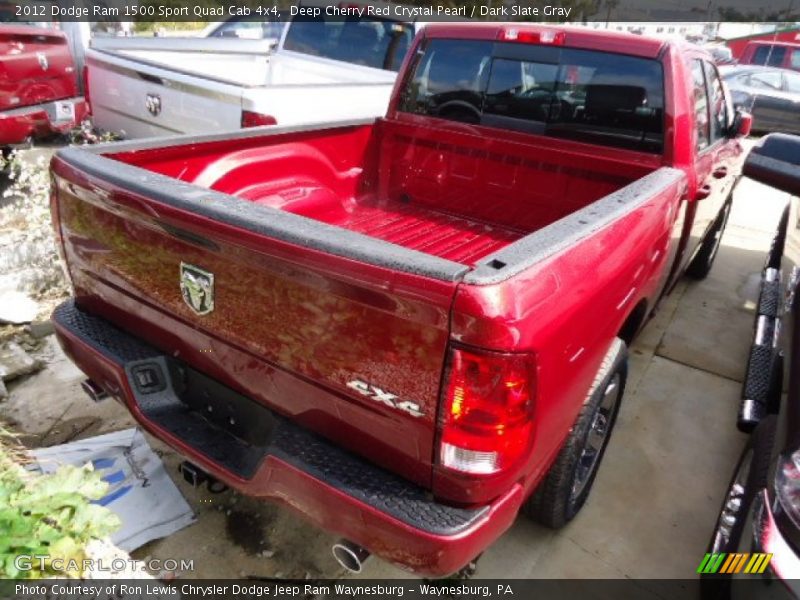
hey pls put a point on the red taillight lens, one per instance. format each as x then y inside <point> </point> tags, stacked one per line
<point>254,119</point>
<point>85,76</point>
<point>546,36</point>
<point>488,410</point>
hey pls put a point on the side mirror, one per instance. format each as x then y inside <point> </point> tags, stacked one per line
<point>775,161</point>
<point>742,123</point>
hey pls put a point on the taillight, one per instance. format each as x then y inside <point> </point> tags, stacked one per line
<point>487,418</point>
<point>254,119</point>
<point>85,76</point>
<point>525,36</point>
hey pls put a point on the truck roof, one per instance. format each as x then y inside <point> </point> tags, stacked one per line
<point>574,37</point>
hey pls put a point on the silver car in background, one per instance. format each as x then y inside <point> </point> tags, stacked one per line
<point>771,95</point>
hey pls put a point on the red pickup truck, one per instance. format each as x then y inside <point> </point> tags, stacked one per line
<point>412,328</point>
<point>38,84</point>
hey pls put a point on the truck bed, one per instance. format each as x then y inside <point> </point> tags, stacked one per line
<point>442,192</point>
<point>455,238</point>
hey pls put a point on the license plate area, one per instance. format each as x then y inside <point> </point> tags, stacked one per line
<point>225,426</point>
<point>221,406</point>
<point>62,110</point>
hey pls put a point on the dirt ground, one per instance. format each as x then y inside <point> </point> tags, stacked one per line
<point>656,495</point>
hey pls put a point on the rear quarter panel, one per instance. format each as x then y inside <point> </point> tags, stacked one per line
<point>567,309</point>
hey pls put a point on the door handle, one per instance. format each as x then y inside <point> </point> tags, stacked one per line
<point>703,192</point>
<point>720,173</point>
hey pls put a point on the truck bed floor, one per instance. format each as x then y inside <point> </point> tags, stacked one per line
<point>418,228</point>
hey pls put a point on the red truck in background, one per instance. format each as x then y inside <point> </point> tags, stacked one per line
<point>785,55</point>
<point>407,329</point>
<point>38,84</point>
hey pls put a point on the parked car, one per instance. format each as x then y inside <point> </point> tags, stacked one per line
<point>38,85</point>
<point>785,55</point>
<point>412,328</point>
<point>324,69</point>
<point>771,95</point>
<point>760,515</point>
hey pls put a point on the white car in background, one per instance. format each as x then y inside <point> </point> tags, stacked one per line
<point>323,69</point>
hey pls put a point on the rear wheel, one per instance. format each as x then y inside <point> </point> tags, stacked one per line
<point>701,264</point>
<point>565,488</point>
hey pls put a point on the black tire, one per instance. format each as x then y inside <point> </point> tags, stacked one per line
<point>701,264</point>
<point>750,476</point>
<point>565,488</point>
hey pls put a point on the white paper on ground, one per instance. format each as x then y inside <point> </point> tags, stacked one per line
<point>141,493</point>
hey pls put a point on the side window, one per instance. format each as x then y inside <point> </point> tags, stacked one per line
<point>719,104</point>
<point>766,80</point>
<point>760,55</point>
<point>700,105</point>
<point>793,82</point>
<point>449,80</point>
<point>776,57</point>
<point>769,55</point>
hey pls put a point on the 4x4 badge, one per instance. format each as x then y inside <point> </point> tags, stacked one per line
<point>197,288</point>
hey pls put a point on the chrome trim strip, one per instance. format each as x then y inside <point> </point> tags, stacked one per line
<point>761,330</point>
<point>25,110</point>
<point>188,88</point>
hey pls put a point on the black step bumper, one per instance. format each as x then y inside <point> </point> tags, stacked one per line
<point>253,449</point>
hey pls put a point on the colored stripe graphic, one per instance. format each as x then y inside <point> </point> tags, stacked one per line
<point>732,563</point>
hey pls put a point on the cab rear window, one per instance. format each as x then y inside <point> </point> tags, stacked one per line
<point>596,97</point>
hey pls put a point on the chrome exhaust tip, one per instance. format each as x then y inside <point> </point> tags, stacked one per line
<point>350,555</point>
<point>94,391</point>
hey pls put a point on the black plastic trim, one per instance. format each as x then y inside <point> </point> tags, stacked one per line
<point>302,231</point>
<point>256,432</point>
<point>566,232</point>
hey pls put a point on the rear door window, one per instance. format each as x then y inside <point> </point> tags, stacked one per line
<point>719,107</point>
<point>595,97</point>
<point>700,97</point>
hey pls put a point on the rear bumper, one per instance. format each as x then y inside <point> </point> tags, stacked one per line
<point>277,460</point>
<point>19,124</point>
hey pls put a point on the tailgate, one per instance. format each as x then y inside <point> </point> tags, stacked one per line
<point>345,334</point>
<point>35,67</point>
<point>148,101</point>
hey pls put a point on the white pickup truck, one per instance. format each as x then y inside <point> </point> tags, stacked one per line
<point>322,69</point>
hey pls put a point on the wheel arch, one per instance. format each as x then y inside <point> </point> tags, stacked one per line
<point>634,321</point>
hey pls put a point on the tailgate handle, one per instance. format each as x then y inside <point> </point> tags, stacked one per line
<point>190,237</point>
<point>151,78</point>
